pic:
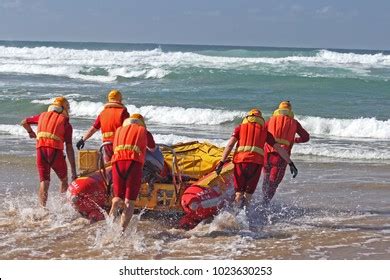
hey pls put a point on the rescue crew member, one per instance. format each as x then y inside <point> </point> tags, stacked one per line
<point>112,117</point>
<point>251,136</point>
<point>53,131</point>
<point>130,143</point>
<point>283,127</point>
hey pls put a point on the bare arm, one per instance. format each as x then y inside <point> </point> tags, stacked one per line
<point>229,147</point>
<point>71,159</point>
<point>91,131</point>
<point>28,128</point>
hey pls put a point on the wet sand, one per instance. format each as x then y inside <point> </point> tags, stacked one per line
<point>330,211</point>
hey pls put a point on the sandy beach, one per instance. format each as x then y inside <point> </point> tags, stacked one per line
<point>322,214</point>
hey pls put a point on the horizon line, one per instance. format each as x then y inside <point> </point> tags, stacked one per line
<point>192,44</point>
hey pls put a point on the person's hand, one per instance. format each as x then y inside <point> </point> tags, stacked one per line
<point>218,168</point>
<point>293,169</point>
<point>80,144</point>
<point>32,134</point>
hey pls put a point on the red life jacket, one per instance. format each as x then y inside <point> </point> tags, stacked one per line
<point>51,130</point>
<point>110,120</point>
<point>130,143</point>
<point>251,143</point>
<point>283,128</point>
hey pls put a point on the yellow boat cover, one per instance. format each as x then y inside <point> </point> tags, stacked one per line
<point>194,159</point>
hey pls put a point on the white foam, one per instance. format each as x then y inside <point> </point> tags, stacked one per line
<point>361,128</point>
<point>348,128</point>
<point>107,66</point>
<point>356,152</point>
<point>156,114</point>
<point>170,139</point>
<point>373,60</point>
<point>11,129</point>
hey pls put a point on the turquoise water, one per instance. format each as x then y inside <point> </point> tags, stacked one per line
<point>339,199</point>
<point>342,97</point>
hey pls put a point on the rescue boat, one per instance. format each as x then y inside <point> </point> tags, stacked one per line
<point>176,179</point>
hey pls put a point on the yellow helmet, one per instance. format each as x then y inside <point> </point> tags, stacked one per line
<point>285,105</point>
<point>114,96</point>
<point>254,112</point>
<point>254,116</point>
<point>61,101</point>
<point>60,105</point>
<point>135,119</point>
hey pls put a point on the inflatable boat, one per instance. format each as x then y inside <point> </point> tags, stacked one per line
<point>176,179</point>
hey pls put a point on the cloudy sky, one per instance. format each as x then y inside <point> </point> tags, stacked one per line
<point>292,23</point>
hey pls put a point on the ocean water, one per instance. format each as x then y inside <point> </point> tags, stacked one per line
<point>341,97</point>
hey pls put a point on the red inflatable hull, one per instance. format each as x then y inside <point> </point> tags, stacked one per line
<point>201,200</point>
<point>206,197</point>
<point>89,196</point>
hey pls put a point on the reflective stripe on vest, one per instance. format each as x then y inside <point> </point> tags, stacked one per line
<point>108,134</point>
<point>282,141</point>
<point>130,143</point>
<point>251,141</point>
<point>51,130</point>
<point>254,149</point>
<point>283,128</point>
<point>110,120</point>
<point>134,148</point>
<point>48,135</point>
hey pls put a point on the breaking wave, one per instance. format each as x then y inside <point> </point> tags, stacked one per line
<point>158,114</point>
<point>107,66</point>
<point>361,128</point>
<point>348,128</point>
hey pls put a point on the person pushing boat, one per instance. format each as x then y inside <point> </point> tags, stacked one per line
<point>251,136</point>
<point>112,117</point>
<point>284,128</point>
<point>130,143</point>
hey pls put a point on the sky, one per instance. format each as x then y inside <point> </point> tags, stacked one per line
<point>351,24</point>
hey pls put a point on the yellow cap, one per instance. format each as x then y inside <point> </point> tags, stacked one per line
<point>60,105</point>
<point>254,112</point>
<point>114,96</point>
<point>285,105</point>
<point>137,116</point>
<point>60,101</point>
<point>135,119</point>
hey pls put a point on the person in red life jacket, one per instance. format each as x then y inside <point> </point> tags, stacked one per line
<point>130,143</point>
<point>284,128</point>
<point>251,136</point>
<point>53,131</point>
<point>112,117</point>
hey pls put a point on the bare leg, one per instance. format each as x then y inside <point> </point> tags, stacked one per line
<point>116,203</point>
<point>239,199</point>
<point>247,198</point>
<point>43,190</point>
<point>127,213</point>
<point>64,185</point>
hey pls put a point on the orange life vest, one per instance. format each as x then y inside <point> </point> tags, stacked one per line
<point>51,130</point>
<point>110,120</point>
<point>130,143</point>
<point>283,128</point>
<point>251,143</point>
